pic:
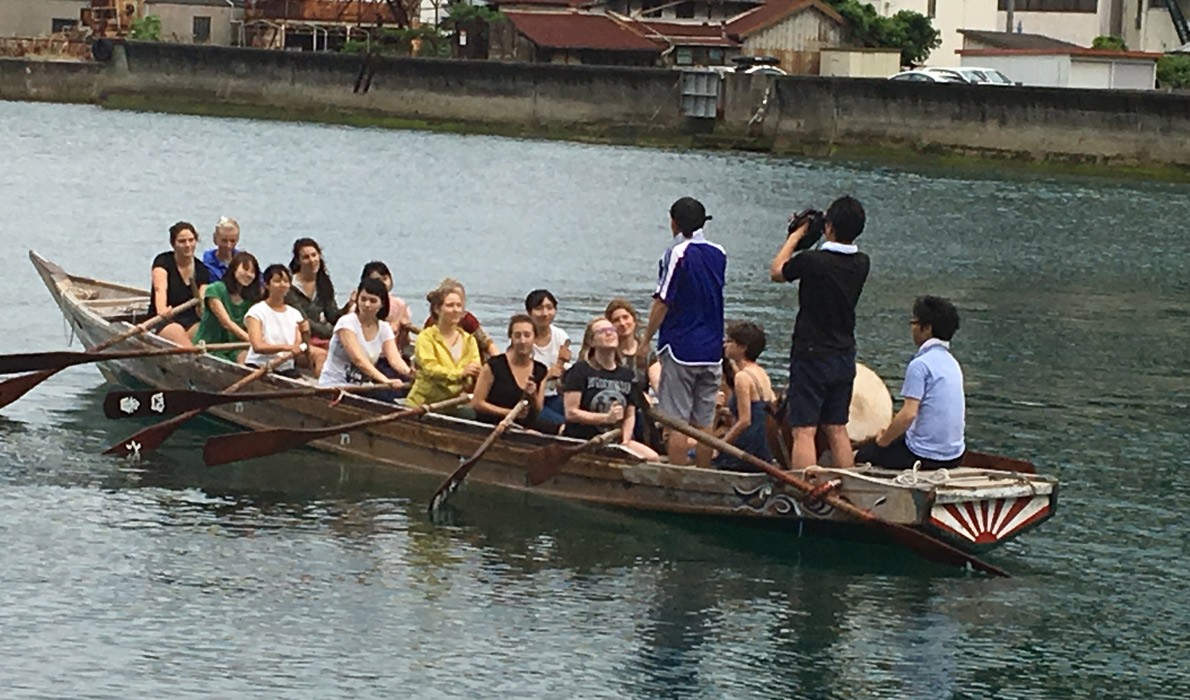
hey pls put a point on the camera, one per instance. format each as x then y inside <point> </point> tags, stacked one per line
<point>817,226</point>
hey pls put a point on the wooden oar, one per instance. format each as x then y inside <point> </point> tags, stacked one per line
<point>15,388</point>
<point>545,463</point>
<point>455,480</point>
<point>168,402</point>
<point>223,449</point>
<point>151,437</point>
<point>41,361</point>
<point>919,542</point>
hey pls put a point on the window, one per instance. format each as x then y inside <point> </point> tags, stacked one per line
<point>932,9</point>
<point>202,30</point>
<point>685,10</point>
<point>1084,6</point>
<point>62,25</point>
<point>684,56</point>
<point>715,57</point>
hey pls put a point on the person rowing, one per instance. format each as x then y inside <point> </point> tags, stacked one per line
<point>274,326</point>
<point>360,339</point>
<point>447,356</point>
<point>227,301</point>
<point>177,278</point>
<point>469,323</point>
<point>509,376</point>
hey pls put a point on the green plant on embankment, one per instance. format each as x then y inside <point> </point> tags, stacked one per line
<point>911,32</point>
<point>426,42</point>
<point>1173,71</point>
<point>147,28</point>
<point>1109,43</point>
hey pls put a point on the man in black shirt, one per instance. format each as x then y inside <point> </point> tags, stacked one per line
<point>822,359</point>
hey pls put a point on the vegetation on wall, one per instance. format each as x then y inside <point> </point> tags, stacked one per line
<point>1108,43</point>
<point>147,28</point>
<point>1173,71</point>
<point>418,41</point>
<point>911,32</point>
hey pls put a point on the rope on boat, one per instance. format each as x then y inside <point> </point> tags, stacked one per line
<point>915,476</point>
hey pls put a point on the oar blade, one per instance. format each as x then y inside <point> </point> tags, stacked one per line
<point>544,464</point>
<point>15,388</point>
<point>150,438</point>
<point>149,403</point>
<point>42,361</point>
<point>237,447</point>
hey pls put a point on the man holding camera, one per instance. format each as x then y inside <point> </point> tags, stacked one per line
<point>822,359</point>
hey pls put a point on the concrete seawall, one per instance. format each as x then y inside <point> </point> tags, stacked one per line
<point>807,115</point>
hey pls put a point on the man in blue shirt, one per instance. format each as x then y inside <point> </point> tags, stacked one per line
<point>688,311</point>
<point>929,427</point>
<point>227,237</point>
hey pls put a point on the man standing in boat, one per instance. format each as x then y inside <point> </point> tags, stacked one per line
<point>822,359</point>
<point>930,425</point>
<point>687,315</point>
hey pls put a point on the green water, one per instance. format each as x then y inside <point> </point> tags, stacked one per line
<point>303,576</point>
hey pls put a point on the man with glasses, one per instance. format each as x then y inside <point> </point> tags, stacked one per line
<point>930,425</point>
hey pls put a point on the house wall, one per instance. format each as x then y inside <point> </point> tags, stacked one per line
<point>1037,71</point>
<point>1151,29</point>
<point>1076,27</point>
<point>796,41</point>
<point>177,21</point>
<point>31,18</point>
<point>845,63</point>
<point>948,17</point>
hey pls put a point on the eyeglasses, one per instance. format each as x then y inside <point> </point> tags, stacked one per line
<point>605,331</point>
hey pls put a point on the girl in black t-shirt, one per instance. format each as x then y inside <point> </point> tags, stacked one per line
<point>177,278</point>
<point>597,390</point>
<point>506,377</point>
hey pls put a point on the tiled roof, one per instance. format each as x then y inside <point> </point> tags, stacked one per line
<point>688,34</point>
<point>772,12</point>
<point>558,30</point>
<point>1014,40</point>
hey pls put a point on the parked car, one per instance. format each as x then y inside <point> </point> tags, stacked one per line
<point>764,65</point>
<point>921,76</point>
<point>975,76</point>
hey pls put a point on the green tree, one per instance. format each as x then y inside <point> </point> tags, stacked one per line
<point>1108,43</point>
<point>911,32</point>
<point>147,28</point>
<point>1173,71</point>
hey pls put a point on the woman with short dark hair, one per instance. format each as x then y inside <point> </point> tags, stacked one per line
<point>752,392</point>
<point>361,339</point>
<point>507,377</point>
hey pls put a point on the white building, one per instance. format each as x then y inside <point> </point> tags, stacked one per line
<point>1040,61</point>
<point>948,17</point>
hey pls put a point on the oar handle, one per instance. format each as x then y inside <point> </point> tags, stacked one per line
<point>145,325</point>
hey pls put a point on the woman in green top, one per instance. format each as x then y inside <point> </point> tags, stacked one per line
<point>226,302</point>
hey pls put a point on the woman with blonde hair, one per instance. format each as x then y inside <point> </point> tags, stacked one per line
<point>624,317</point>
<point>598,388</point>
<point>447,357</point>
<point>470,324</point>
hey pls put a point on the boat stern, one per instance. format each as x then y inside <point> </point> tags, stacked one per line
<point>977,520</point>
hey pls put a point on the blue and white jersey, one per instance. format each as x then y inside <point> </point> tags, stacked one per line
<point>690,282</point>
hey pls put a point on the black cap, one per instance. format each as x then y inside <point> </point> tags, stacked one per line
<point>689,213</point>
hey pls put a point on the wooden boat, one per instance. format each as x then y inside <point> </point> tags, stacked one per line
<point>971,508</point>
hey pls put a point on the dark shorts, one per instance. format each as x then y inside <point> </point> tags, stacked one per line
<point>898,456</point>
<point>820,390</point>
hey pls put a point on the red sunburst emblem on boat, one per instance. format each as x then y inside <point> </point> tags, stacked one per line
<point>986,522</point>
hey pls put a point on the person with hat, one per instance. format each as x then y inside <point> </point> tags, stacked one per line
<point>930,425</point>
<point>687,317</point>
<point>822,358</point>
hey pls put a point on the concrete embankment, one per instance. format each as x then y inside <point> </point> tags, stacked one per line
<point>1098,131</point>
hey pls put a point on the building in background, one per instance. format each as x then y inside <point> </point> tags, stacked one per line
<point>36,18</point>
<point>217,22</point>
<point>1041,61</point>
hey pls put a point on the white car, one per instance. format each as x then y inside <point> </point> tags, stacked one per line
<point>921,76</point>
<point>975,76</point>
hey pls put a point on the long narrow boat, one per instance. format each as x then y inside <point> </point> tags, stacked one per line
<point>972,508</point>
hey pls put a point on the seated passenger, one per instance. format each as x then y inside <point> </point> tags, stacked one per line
<point>312,291</point>
<point>447,356</point>
<point>624,317</point>
<point>506,377</point>
<point>399,316</point>
<point>929,427</point>
<point>751,391</point>
<point>597,390</point>
<point>274,326</point>
<point>551,347</point>
<point>177,278</point>
<point>227,301</point>
<point>470,324</point>
<point>226,238</point>
<point>360,339</point>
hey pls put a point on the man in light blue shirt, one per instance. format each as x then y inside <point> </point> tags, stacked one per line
<point>929,427</point>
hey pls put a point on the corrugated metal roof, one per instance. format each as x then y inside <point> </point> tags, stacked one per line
<point>772,12</point>
<point>1014,40</point>
<point>690,34</point>
<point>557,30</point>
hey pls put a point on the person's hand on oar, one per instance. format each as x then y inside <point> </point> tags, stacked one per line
<point>917,541</point>
<point>15,388</point>
<point>168,402</point>
<point>224,449</point>
<point>455,480</point>
<point>151,437</point>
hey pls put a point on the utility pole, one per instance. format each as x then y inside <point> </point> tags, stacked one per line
<point>1010,6</point>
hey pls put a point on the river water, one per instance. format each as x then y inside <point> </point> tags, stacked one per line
<point>303,576</point>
